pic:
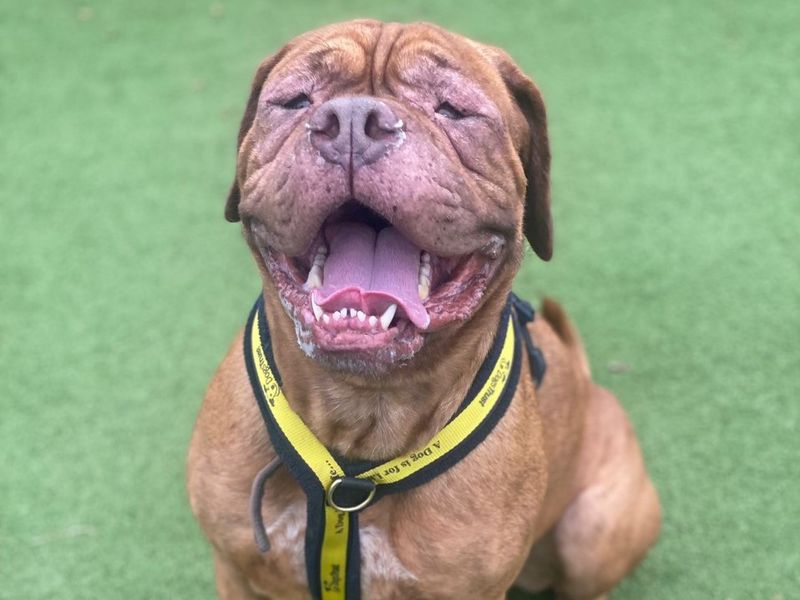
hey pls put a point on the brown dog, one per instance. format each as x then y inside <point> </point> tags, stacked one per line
<point>387,165</point>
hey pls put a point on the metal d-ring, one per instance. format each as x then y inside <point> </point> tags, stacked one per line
<point>351,480</point>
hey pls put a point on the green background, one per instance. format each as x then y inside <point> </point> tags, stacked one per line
<point>674,127</point>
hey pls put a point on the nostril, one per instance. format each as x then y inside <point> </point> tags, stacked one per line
<point>371,127</point>
<point>331,126</point>
<point>326,124</point>
<point>377,129</point>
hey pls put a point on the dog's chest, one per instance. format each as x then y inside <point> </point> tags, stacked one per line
<point>383,573</point>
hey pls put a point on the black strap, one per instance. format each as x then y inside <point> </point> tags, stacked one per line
<point>315,496</point>
<point>526,314</point>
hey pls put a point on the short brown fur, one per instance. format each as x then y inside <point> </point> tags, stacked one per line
<point>557,495</point>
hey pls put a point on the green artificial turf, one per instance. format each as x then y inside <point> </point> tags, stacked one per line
<point>675,129</point>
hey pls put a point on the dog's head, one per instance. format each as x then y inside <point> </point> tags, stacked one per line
<point>386,176</point>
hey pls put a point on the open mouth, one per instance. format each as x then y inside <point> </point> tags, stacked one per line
<point>364,287</point>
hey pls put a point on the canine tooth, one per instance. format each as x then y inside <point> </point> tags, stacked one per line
<point>326,318</point>
<point>373,320</point>
<point>424,280</point>
<point>315,307</point>
<point>425,270</point>
<point>319,258</point>
<point>423,289</point>
<point>314,279</point>
<point>362,316</point>
<point>387,316</point>
<point>353,312</point>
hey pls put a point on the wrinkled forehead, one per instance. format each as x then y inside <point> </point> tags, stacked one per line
<point>372,55</point>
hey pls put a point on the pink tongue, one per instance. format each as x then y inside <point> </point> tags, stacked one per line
<point>369,271</point>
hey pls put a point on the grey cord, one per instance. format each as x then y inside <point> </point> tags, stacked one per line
<point>256,498</point>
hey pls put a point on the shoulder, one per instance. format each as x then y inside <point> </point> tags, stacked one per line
<point>229,442</point>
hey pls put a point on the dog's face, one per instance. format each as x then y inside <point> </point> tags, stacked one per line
<point>385,177</point>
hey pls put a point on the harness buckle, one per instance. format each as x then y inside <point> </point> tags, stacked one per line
<point>350,494</point>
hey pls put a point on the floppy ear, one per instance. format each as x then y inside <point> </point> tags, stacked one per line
<point>534,153</point>
<point>264,69</point>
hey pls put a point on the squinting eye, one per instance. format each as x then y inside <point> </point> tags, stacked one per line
<point>448,110</point>
<point>298,102</point>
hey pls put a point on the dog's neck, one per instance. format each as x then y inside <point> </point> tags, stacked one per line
<point>381,417</point>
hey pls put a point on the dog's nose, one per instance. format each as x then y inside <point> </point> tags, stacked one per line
<point>355,130</point>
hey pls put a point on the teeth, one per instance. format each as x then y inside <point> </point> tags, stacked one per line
<point>423,289</point>
<point>424,280</point>
<point>318,312</point>
<point>385,319</point>
<point>314,277</point>
<point>387,316</point>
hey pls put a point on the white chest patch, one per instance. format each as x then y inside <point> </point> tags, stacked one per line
<point>379,563</point>
<point>287,537</point>
<point>378,560</point>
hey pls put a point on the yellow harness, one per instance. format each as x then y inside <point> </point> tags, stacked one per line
<point>336,489</point>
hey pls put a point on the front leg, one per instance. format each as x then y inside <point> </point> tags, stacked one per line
<point>231,582</point>
<point>609,526</point>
